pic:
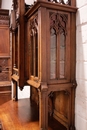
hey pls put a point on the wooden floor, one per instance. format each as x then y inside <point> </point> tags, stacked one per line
<point>23,115</point>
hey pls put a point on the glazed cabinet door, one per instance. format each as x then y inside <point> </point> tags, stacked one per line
<point>58,43</point>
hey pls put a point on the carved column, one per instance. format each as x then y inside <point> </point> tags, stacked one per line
<point>43,108</point>
<point>15,91</point>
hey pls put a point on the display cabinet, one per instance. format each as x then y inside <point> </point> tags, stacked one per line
<point>51,37</point>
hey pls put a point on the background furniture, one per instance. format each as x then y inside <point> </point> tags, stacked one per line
<point>5,59</point>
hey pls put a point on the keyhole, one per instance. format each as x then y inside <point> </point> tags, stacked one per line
<point>0,69</point>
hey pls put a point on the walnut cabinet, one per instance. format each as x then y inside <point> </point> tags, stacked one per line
<point>44,57</point>
<point>51,38</point>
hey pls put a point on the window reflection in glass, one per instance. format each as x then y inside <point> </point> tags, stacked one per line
<point>34,54</point>
<point>32,50</point>
<point>62,56</point>
<point>16,48</point>
<point>53,53</point>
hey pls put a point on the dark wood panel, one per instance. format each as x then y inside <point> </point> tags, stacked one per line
<point>5,97</point>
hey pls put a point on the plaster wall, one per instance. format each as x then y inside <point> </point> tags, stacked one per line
<point>81,66</point>
<point>6,4</point>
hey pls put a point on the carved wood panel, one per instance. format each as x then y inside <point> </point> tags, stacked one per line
<point>61,102</point>
<point>58,34</point>
<point>4,64</point>
<point>4,76</point>
<point>4,69</point>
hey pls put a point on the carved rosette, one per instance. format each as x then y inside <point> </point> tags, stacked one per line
<point>58,22</point>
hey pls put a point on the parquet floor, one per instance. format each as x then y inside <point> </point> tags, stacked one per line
<point>23,115</point>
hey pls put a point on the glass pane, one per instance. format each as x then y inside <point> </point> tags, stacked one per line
<point>62,55</point>
<point>53,51</point>
<point>16,48</point>
<point>36,55</point>
<point>32,62</point>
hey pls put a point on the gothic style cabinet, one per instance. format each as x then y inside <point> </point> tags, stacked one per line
<point>51,37</point>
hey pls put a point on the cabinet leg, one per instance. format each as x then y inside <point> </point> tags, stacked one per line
<point>43,110</point>
<point>15,91</point>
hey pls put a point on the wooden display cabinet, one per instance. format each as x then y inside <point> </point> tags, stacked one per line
<point>51,35</point>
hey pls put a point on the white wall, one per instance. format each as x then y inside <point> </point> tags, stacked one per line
<point>81,66</point>
<point>29,1</point>
<point>6,4</point>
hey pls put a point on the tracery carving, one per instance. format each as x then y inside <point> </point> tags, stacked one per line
<point>34,29</point>
<point>58,22</point>
<point>34,25</point>
<point>65,2</point>
<point>16,8</point>
<point>34,45</point>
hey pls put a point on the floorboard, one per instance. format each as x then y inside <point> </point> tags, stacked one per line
<point>23,115</point>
